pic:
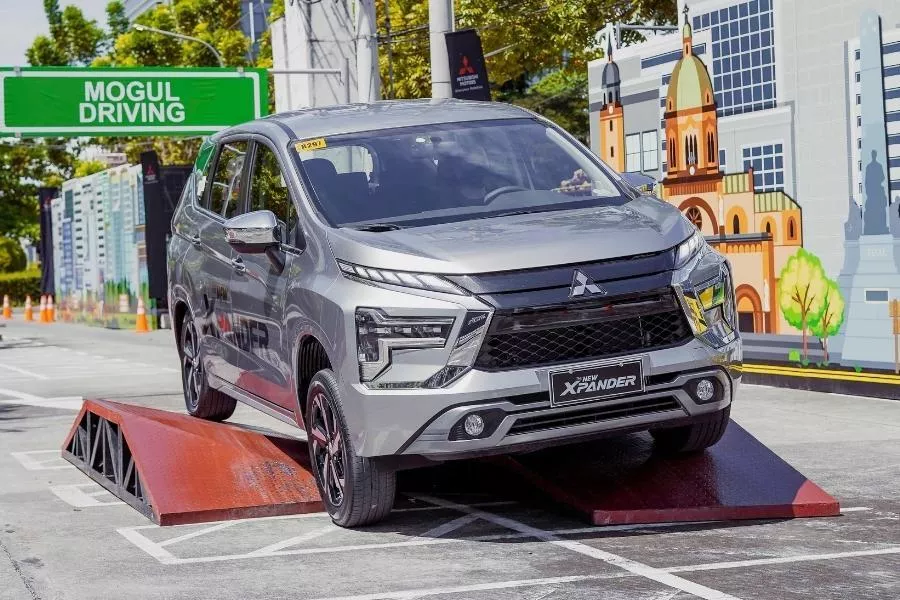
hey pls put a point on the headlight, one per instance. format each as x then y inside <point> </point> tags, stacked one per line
<point>688,248</point>
<point>704,286</point>
<point>420,281</point>
<point>377,335</point>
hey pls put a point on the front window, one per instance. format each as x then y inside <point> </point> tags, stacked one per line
<point>443,173</point>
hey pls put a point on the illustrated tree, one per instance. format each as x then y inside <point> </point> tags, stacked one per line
<point>802,288</point>
<point>832,315</point>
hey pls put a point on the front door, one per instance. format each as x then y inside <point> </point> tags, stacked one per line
<point>222,202</point>
<point>259,289</point>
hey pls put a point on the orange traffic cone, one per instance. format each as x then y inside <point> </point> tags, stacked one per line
<point>7,309</point>
<point>43,316</point>
<point>140,324</point>
<point>51,310</point>
<point>29,312</point>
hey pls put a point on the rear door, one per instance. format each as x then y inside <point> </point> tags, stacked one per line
<point>259,288</point>
<point>222,200</point>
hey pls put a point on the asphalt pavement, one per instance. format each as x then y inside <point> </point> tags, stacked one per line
<point>63,536</point>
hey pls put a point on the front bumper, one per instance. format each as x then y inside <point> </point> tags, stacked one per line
<point>419,422</point>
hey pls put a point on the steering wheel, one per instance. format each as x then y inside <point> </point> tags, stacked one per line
<point>493,194</point>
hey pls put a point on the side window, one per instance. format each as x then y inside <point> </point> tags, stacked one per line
<point>225,193</point>
<point>268,191</point>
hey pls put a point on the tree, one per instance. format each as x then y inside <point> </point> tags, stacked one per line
<point>12,257</point>
<point>73,40</point>
<point>83,168</point>
<point>832,316</point>
<point>23,165</point>
<point>116,20</point>
<point>801,292</point>
<point>537,37</point>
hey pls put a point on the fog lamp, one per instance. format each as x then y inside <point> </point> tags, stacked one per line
<point>474,425</point>
<point>705,390</point>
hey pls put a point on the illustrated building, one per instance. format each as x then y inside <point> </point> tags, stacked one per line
<point>612,128</point>
<point>758,230</point>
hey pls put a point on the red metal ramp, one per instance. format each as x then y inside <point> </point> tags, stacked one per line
<point>622,481</point>
<point>177,469</point>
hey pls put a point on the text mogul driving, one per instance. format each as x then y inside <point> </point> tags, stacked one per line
<point>438,280</point>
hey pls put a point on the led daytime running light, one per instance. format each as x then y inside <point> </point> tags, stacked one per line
<point>420,281</point>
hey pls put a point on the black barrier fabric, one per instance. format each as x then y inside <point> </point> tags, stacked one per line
<point>468,73</point>
<point>45,248</point>
<point>162,188</point>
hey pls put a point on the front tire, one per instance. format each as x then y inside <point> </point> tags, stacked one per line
<point>200,400</point>
<point>355,490</point>
<point>694,437</point>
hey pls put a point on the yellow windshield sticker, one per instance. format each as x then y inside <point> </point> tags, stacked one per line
<point>316,144</point>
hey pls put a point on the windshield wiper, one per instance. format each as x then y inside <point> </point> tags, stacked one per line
<point>378,227</point>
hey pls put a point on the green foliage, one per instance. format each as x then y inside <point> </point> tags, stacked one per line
<point>857,368</point>
<point>794,356</point>
<point>832,316</point>
<point>83,168</point>
<point>561,96</point>
<point>12,256</point>
<point>801,291</point>
<point>73,40</point>
<point>20,284</point>
<point>541,37</point>
<point>116,20</point>
<point>22,165</point>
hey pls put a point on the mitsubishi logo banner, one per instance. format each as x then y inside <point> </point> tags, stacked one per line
<point>468,73</point>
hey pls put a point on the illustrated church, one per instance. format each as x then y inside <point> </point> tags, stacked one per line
<point>758,231</point>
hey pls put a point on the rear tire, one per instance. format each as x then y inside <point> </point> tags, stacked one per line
<point>355,490</point>
<point>200,400</point>
<point>694,437</point>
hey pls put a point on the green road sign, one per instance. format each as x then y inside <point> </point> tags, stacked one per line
<point>72,102</point>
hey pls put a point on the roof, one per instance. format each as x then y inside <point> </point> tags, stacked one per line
<point>690,82</point>
<point>610,75</point>
<point>353,118</point>
<point>773,202</point>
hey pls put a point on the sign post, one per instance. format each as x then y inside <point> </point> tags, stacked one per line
<point>468,73</point>
<point>72,102</point>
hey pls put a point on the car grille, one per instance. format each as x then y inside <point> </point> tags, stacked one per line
<point>594,414</point>
<point>539,337</point>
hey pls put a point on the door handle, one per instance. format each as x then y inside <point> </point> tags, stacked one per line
<point>195,240</point>
<point>238,264</point>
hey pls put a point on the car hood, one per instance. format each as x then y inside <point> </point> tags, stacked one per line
<point>513,242</point>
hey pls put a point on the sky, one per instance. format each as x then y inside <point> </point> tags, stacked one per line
<point>23,20</point>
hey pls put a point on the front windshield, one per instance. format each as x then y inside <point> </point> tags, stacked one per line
<point>443,173</point>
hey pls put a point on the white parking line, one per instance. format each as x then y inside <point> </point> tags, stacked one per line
<point>77,496</point>
<point>299,539</point>
<point>632,566</point>
<point>198,533</point>
<point>780,560</point>
<point>479,587</point>
<point>22,371</point>
<point>42,460</point>
<point>24,398</point>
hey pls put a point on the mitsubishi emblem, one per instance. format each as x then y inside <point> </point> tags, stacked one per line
<point>582,284</point>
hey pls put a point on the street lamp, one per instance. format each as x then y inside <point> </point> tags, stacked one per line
<point>139,27</point>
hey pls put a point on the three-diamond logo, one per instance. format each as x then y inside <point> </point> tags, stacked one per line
<point>582,284</point>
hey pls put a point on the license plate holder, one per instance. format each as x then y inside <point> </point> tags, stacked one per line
<point>598,381</point>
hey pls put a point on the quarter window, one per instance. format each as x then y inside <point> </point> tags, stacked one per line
<point>225,193</point>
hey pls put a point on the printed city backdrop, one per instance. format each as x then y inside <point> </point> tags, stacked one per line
<point>774,125</point>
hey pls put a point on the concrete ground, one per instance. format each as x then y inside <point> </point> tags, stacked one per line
<point>62,536</point>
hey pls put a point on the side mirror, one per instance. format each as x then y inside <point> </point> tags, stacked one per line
<point>254,232</point>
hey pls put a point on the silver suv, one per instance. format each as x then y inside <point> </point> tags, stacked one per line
<point>429,280</point>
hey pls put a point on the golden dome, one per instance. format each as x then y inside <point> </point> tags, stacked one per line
<point>690,85</point>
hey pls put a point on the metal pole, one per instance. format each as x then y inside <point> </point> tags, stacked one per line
<point>368,82</point>
<point>345,79</point>
<point>390,49</point>
<point>440,22</point>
